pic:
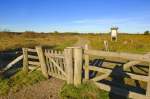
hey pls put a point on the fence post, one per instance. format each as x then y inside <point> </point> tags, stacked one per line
<point>68,53</point>
<point>42,60</point>
<point>77,65</point>
<point>148,84</point>
<point>86,64</point>
<point>25,59</point>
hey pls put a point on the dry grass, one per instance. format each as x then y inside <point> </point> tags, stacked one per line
<point>13,41</point>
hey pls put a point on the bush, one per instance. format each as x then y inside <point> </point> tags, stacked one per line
<point>146,33</point>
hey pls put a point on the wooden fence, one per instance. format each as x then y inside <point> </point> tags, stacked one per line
<point>118,71</point>
<point>74,65</point>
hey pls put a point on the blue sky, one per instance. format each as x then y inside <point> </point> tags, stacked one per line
<point>75,15</point>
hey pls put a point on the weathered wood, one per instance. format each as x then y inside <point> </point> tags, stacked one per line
<point>106,45</point>
<point>25,59</point>
<point>47,62</point>
<point>133,76</point>
<point>51,64</point>
<point>69,64</point>
<point>61,62</point>
<point>57,66</point>
<point>34,63</point>
<point>148,83</point>
<point>42,61</point>
<point>31,50</point>
<point>87,58</point>
<point>54,55</point>
<point>130,64</point>
<point>120,91</point>
<point>101,77</point>
<point>77,66</point>
<point>33,57</point>
<point>128,56</point>
<point>13,62</point>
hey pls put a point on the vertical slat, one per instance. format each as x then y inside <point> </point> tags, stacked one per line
<point>42,60</point>
<point>25,59</point>
<point>51,64</point>
<point>69,64</point>
<point>47,61</point>
<point>77,66</point>
<point>86,64</point>
<point>55,59</point>
<point>54,68</point>
<point>148,84</point>
<point>60,61</point>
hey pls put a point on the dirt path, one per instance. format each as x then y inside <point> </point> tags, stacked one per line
<point>48,89</point>
<point>81,42</point>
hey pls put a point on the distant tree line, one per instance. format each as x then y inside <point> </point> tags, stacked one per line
<point>147,32</point>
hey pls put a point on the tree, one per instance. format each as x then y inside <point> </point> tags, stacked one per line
<point>147,32</point>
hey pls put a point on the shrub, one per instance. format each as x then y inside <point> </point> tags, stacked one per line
<point>146,33</point>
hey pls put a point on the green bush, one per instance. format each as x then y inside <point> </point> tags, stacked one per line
<point>146,33</point>
<point>84,91</point>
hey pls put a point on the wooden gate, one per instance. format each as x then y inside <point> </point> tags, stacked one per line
<point>110,77</point>
<point>55,62</point>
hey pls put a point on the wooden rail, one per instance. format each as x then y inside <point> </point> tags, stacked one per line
<point>68,64</point>
<point>133,59</point>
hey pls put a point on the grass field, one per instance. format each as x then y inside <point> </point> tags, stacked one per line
<point>126,43</point>
<point>8,41</point>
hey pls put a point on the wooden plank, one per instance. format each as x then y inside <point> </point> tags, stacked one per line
<point>33,57</point>
<point>25,59</point>
<point>31,50</point>
<point>13,62</point>
<point>133,76</point>
<point>130,64</point>
<point>60,62</point>
<point>51,64</point>
<point>87,59</point>
<point>127,56</point>
<point>47,63</point>
<point>60,69</point>
<point>69,64</point>
<point>60,77</point>
<point>54,67</point>
<point>101,77</point>
<point>42,61</point>
<point>34,63</point>
<point>148,83</point>
<point>120,91</point>
<point>77,66</point>
<point>54,55</point>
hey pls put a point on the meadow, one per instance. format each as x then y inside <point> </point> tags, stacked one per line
<point>131,43</point>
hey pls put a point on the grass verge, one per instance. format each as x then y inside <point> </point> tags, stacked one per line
<point>84,91</point>
<point>19,81</point>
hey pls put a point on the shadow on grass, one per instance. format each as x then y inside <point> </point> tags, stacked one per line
<point>7,56</point>
<point>117,80</point>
